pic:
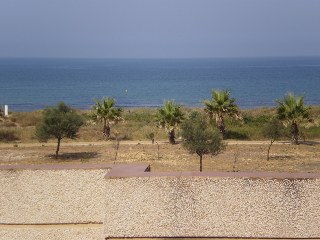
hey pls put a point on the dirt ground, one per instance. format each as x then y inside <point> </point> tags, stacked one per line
<point>238,155</point>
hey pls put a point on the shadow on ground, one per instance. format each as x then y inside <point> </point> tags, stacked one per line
<point>311,143</point>
<point>281,157</point>
<point>310,166</point>
<point>75,156</point>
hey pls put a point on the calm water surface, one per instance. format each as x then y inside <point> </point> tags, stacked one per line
<point>30,84</point>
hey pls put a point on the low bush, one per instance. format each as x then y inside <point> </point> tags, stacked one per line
<point>8,124</point>
<point>310,133</point>
<point>8,135</point>
<point>140,115</point>
<point>238,135</point>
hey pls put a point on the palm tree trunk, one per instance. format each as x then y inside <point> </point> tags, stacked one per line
<point>106,128</point>
<point>221,126</point>
<point>58,147</point>
<point>294,133</point>
<point>172,137</point>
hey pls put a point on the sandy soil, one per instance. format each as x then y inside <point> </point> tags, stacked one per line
<point>238,155</point>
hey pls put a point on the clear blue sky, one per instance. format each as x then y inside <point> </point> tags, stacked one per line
<point>159,28</point>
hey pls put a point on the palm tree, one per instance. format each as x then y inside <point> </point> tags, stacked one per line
<point>291,111</point>
<point>106,112</point>
<point>170,117</point>
<point>219,106</point>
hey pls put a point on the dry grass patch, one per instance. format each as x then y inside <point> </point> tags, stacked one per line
<point>8,135</point>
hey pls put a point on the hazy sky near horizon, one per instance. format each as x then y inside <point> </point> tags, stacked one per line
<point>159,28</point>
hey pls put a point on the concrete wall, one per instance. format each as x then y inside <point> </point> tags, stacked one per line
<point>81,202</point>
<point>52,201</point>
<point>212,206</point>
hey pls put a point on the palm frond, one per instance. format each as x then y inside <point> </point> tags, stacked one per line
<point>221,104</point>
<point>105,109</point>
<point>170,116</point>
<point>292,109</point>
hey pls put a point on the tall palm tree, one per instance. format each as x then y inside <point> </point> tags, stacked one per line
<point>292,111</point>
<point>219,106</point>
<point>170,117</point>
<point>106,112</point>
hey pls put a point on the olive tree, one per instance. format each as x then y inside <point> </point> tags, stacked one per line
<point>59,122</point>
<point>200,137</point>
<point>273,131</point>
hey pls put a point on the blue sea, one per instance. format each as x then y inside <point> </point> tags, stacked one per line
<point>31,84</point>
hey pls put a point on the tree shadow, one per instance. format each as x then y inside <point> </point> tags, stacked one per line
<point>309,143</point>
<point>310,166</point>
<point>74,156</point>
<point>301,142</point>
<point>281,157</point>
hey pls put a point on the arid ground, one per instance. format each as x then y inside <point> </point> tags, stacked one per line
<point>238,155</point>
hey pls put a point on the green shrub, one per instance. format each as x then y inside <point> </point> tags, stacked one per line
<point>239,135</point>
<point>150,136</point>
<point>311,133</point>
<point>140,115</point>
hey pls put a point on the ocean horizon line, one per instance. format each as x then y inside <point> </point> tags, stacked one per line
<point>162,58</point>
<point>33,107</point>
